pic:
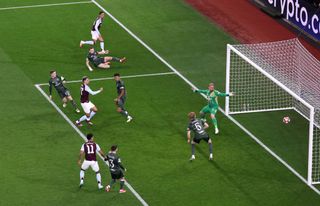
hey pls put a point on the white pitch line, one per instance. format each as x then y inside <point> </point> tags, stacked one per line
<point>45,5</point>
<point>192,85</point>
<point>85,139</point>
<point>122,77</point>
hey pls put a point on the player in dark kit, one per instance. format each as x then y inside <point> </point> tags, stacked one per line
<point>89,151</point>
<point>101,62</point>
<point>116,169</point>
<point>57,82</point>
<point>198,127</point>
<point>122,95</point>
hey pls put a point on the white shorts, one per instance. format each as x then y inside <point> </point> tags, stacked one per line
<point>93,164</point>
<point>87,107</point>
<point>95,35</point>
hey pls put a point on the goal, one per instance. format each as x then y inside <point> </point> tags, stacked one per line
<point>275,76</point>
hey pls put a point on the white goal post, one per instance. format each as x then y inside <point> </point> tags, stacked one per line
<point>275,76</point>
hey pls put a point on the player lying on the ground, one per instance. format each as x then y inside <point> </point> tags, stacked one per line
<point>213,106</point>
<point>95,32</point>
<point>122,95</point>
<point>116,169</point>
<point>198,126</point>
<point>89,152</point>
<point>101,62</point>
<point>88,107</point>
<point>57,82</point>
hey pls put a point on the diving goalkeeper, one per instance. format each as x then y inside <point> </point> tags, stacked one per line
<point>213,106</point>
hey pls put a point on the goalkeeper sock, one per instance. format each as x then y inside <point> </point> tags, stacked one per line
<point>102,45</point>
<point>88,42</point>
<point>210,148</point>
<point>121,184</point>
<point>215,122</point>
<point>115,59</point>
<point>192,149</point>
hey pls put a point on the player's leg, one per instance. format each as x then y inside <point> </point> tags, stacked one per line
<point>95,167</point>
<point>74,105</point>
<point>104,65</point>
<point>203,113</point>
<point>115,59</point>
<point>122,110</point>
<point>122,181</point>
<point>94,37</point>
<point>214,119</point>
<point>101,43</point>
<point>86,109</point>
<point>193,148</point>
<point>210,149</point>
<point>83,168</point>
<point>93,111</point>
<point>114,177</point>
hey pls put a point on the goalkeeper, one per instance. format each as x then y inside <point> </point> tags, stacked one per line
<point>213,106</point>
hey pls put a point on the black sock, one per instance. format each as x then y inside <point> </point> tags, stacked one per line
<point>210,148</point>
<point>192,148</point>
<point>124,113</point>
<point>121,184</point>
<point>112,182</point>
<point>115,59</point>
<point>74,104</point>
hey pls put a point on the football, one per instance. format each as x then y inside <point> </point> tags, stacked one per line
<point>286,120</point>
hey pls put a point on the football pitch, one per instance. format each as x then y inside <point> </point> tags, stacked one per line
<point>169,47</point>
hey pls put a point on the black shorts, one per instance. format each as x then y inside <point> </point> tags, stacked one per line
<point>64,93</point>
<point>99,61</point>
<point>198,139</point>
<point>121,103</point>
<point>117,175</point>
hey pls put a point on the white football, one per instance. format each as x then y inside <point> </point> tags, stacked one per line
<point>286,120</point>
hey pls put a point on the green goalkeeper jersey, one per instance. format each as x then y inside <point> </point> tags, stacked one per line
<point>212,96</point>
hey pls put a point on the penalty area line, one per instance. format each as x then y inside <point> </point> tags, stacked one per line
<point>122,77</point>
<point>45,5</point>
<point>84,138</point>
<point>192,85</point>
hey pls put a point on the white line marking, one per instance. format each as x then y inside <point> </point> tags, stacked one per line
<point>85,139</point>
<point>192,85</point>
<point>122,77</point>
<point>45,5</point>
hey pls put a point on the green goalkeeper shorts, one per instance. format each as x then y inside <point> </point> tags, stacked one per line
<point>211,110</point>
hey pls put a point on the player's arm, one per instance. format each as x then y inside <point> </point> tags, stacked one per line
<point>205,125</point>
<point>88,65</point>
<point>121,94</point>
<point>87,88</point>
<point>96,26</point>
<point>221,94</point>
<point>81,155</point>
<point>188,135</point>
<point>121,166</point>
<point>63,79</point>
<point>202,91</point>
<point>50,89</point>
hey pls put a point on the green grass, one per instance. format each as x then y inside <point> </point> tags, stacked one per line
<point>39,149</point>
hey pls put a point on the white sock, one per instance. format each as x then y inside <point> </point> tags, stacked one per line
<point>102,45</point>
<point>84,117</point>
<point>88,42</point>
<point>81,175</point>
<point>91,115</point>
<point>98,176</point>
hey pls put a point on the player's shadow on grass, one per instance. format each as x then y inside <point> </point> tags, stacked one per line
<point>228,177</point>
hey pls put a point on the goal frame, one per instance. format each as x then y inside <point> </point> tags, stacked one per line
<point>230,49</point>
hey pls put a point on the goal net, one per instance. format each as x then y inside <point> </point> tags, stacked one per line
<point>277,76</point>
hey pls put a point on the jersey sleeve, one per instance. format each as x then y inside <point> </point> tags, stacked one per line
<point>220,94</point>
<point>98,148</point>
<point>82,148</point>
<point>87,88</point>
<point>202,91</point>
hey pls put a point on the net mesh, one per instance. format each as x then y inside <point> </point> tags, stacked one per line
<point>287,62</point>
